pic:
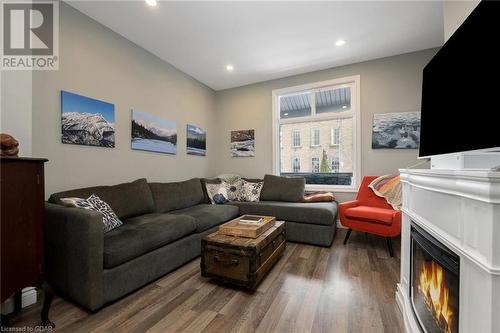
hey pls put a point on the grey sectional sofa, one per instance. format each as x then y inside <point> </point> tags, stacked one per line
<point>163,224</point>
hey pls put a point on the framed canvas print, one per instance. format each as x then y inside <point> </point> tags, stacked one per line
<point>396,130</point>
<point>243,143</point>
<point>87,121</point>
<point>196,140</point>
<point>152,133</point>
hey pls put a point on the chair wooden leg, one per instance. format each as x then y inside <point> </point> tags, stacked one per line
<point>347,236</point>
<point>389,245</point>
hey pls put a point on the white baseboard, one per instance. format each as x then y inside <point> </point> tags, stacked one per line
<point>28,298</point>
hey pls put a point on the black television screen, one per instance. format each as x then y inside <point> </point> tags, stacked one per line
<point>461,88</point>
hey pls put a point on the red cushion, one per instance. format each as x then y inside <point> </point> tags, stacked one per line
<point>371,214</point>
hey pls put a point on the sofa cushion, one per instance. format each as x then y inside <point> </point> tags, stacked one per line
<point>142,234</point>
<point>371,214</point>
<point>323,213</point>
<point>178,195</point>
<point>126,200</point>
<point>208,216</point>
<point>283,189</point>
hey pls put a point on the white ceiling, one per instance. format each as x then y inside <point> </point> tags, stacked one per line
<point>268,40</point>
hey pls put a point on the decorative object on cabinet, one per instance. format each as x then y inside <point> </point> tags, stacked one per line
<point>9,145</point>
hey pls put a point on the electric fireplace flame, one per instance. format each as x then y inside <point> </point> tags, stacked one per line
<point>436,294</point>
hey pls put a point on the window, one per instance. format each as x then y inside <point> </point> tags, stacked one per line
<point>315,137</point>
<point>296,138</point>
<point>335,136</point>
<point>296,165</point>
<point>335,163</point>
<point>315,164</point>
<point>329,112</point>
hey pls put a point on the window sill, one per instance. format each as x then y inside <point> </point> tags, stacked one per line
<point>331,188</point>
<point>315,146</point>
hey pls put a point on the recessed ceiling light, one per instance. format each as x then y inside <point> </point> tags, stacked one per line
<point>152,3</point>
<point>229,68</point>
<point>340,42</point>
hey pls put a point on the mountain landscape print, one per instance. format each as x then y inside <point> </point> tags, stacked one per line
<point>87,121</point>
<point>396,130</point>
<point>196,140</point>
<point>152,133</point>
<point>243,143</point>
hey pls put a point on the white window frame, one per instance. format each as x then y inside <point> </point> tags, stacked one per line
<point>293,164</point>
<point>296,132</point>
<point>354,82</point>
<point>312,164</point>
<point>338,160</point>
<point>332,132</point>
<point>313,137</point>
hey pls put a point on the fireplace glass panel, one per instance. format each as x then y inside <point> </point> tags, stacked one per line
<point>435,284</point>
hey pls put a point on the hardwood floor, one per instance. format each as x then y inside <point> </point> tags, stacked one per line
<point>347,288</point>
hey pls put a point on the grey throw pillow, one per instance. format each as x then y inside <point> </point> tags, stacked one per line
<point>278,188</point>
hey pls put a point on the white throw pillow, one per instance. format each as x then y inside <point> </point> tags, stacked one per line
<point>234,190</point>
<point>217,193</point>
<point>251,191</point>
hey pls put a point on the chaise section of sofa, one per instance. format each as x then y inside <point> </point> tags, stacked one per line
<point>312,223</point>
<point>162,228</point>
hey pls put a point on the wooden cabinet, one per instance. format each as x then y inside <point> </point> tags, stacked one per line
<point>22,226</point>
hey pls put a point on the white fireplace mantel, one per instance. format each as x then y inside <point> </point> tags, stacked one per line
<point>461,209</point>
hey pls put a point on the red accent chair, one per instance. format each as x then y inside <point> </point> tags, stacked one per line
<point>371,214</point>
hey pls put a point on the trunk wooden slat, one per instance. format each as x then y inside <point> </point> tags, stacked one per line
<point>242,261</point>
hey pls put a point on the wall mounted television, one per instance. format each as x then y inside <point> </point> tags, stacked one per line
<point>461,88</point>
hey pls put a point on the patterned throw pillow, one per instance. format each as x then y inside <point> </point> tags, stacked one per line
<point>217,193</point>
<point>251,191</point>
<point>109,219</point>
<point>234,190</point>
<point>76,202</point>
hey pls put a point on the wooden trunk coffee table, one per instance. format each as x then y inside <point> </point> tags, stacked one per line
<point>239,260</point>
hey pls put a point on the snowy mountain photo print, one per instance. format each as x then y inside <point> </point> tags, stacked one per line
<point>87,121</point>
<point>152,133</point>
<point>396,130</point>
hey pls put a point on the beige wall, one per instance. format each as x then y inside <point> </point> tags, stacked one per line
<point>96,62</point>
<point>15,108</point>
<point>455,13</point>
<point>390,84</point>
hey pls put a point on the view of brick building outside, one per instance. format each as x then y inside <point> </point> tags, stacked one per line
<point>306,151</point>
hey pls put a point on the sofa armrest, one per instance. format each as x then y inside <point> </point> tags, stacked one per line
<point>74,242</point>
